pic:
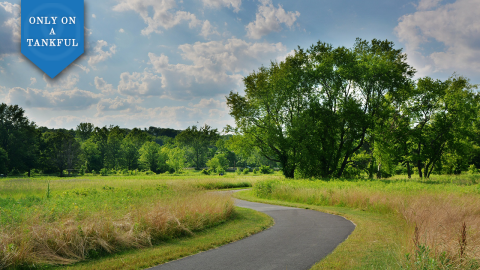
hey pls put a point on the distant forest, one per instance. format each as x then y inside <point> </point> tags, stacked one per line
<point>26,148</point>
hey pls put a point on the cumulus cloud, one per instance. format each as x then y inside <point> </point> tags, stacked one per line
<point>33,81</point>
<point>140,84</point>
<point>84,68</point>
<point>217,67</point>
<point>69,100</point>
<point>456,26</point>
<point>62,82</point>
<point>117,104</point>
<point>208,29</point>
<point>269,18</point>
<point>9,28</point>
<point>164,16</point>
<point>121,30</point>
<point>427,4</point>
<point>235,4</point>
<point>103,86</point>
<point>101,55</point>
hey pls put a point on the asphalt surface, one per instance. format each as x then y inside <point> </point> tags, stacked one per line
<point>298,240</point>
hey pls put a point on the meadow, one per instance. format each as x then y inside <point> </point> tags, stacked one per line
<point>436,222</point>
<point>58,221</point>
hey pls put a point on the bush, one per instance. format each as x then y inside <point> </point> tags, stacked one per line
<point>246,171</point>
<point>211,171</point>
<point>265,169</point>
<point>221,171</point>
<point>238,171</point>
<point>104,172</point>
<point>205,172</point>
<point>94,172</point>
<point>472,169</point>
<point>255,171</point>
<point>171,170</point>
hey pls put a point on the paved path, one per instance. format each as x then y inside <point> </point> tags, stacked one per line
<point>298,240</point>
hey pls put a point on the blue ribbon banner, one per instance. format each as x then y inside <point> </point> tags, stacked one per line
<point>52,33</point>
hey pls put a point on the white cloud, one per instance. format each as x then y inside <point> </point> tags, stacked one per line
<point>33,81</point>
<point>456,26</point>
<point>208,29</point>
<point>427,4</point>
<point>94,16</point>
<point>140,84</point>
<point>84,68</point>
<point>101,55</point>
<point>269,18</point>
<point>235,4</point>
<point>217,67</point>
<point>121,30</point>
<point>69,100</point>
<point>117,104</point>
<point>62,82</point>
<point>102,85</point>
<point>9,28</point>
<point>163,14</point>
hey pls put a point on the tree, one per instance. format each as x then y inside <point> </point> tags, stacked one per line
<point>114,148</point>
<point>149,156</point>
<point>443,114</point>
<point>100,138</point>
<point>84,131</point>
<point>3,161</point>
<point>63,150</point>
<point>91,156</point>
<point>176,158</point>
<point>217,162</point>
<point>18,137</point>
<point>198,140</point>
<point>312,112</point>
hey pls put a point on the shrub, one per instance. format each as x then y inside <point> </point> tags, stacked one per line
<point>255,171</point>
<point>238,171</point>
<point>220,171</point>
<point>246,171</point>
<point>472,169</point>
<point>265,169</point>
<point>205,172</point>
<point>104,172</point>
<point>211,171</point>
<point>94,172</point>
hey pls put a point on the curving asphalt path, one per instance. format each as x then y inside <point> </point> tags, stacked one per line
<point>298,240</point>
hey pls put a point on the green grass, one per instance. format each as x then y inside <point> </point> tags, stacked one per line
<point>245,222</point>
<point>376,243</point>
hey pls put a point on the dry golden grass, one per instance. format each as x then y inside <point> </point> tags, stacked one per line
<point>71,239</point>
<point>446,222</point>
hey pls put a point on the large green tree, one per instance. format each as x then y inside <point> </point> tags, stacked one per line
<point>313,111</point>
<point>198,140</point>
<point>18,137</point>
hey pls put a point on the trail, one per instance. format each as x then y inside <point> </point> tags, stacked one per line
<point>298,240</point>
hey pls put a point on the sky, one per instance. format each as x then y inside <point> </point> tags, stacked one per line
<point>170,63</point>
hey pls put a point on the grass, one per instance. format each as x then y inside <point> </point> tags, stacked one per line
<point>376,242</point>
<point>244,222</point>
<point>55,221</point>
<point>441,216</point>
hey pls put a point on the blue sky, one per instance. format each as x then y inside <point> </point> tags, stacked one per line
<point>170,63</point>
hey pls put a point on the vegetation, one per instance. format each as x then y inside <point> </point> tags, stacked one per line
<point>50,220</point>
<point>441,216</point>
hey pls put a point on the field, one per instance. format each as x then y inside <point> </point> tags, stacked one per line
<point>432,224</point>
<point>57,221</point>
<point>131,222</point>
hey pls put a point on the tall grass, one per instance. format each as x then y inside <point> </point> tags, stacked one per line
<point>74,223</point>
<point>444,216</point>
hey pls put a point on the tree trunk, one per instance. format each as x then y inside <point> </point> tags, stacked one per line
<point>28,172</point>
<point>379,171</point>
<point>419,167</point>
<point>409,173</point>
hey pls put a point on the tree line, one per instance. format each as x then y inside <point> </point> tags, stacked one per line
<point>345,112</point>
<point>24,148</point>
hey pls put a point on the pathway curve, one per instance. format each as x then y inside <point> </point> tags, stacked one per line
<point>298,240</point>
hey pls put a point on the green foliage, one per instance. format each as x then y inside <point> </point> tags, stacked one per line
<point>176,158</point>
<point>149,155</point>
<point>246,171</point>
<point>238,171</point>
<point>104,172</point>
<point>472,169</point>
<point>206,172</point>
<point>220,171</point>
<point>219,161</point>
<point>3,161</point>
<point>265,169</point>
<point>198,140</point>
